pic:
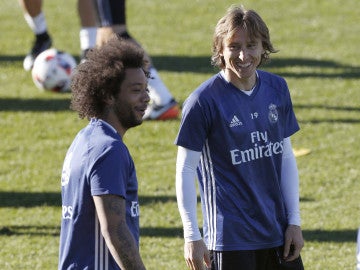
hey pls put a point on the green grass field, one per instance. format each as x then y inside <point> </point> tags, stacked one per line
<point>319,57</point>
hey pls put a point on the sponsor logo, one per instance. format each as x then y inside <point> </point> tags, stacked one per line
<point>235,122</point>
<point>67,212</point>
<point>262,148</point>
<point>135,211</point>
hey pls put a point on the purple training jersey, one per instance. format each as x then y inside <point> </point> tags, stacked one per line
<point>241,139</point>
<point>97,163</point>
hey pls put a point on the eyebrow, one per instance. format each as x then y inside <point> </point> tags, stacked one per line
<point>136,84</point>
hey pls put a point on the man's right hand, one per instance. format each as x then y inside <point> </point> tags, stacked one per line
<point>197,255</point>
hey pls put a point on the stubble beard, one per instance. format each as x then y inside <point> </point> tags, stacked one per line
<point>126,116</point>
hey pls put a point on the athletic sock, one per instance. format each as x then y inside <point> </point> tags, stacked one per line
<point>87,38</point>
<point>159,93</point>
<point>37,24</point>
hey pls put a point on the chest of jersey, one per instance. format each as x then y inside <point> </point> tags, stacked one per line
<point>249,126</point>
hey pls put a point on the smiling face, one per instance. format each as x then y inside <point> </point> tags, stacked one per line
<point>241,56</point>
<point>128,107</point>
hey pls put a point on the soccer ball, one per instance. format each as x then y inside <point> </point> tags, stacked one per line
<point>52,70</point>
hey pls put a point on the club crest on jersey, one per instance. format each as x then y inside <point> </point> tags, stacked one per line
<point>273,114</point>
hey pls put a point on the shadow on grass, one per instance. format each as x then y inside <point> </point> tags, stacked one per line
<point>161,232</point>
<point>34,105</point>
<point>148,199</point>
<point>29,199</point>
<point>338,70</point>
<point>55,105</point>
<point>354,120</point>
<point>327,107</point>
<point>32,230</point>
<point>34,199</point>
<point>201,64</point>
<point>35,230</point>
<point>330,121</point>
<point>335,236</point>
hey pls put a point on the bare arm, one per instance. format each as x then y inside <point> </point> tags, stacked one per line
<point>111,212</point>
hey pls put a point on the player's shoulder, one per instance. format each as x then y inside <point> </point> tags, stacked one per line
<point>205,93</point>
<point>270,78</point>
<point>274,81</point>
<point>209,86</point>
<point>101,135</point>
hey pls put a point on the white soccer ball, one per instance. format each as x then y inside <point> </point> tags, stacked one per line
<point>52,70</point>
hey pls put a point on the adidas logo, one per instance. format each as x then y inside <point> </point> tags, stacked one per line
<point>235,122</point>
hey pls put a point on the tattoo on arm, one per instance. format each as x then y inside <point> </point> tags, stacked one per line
<point>115,207</point>
<point>123,242</point>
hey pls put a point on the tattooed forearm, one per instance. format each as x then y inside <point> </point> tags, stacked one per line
<point>115,206</point>
<point>129,254</point>
<point>119,239</point>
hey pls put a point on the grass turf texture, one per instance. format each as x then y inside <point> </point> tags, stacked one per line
<point>318,43</point>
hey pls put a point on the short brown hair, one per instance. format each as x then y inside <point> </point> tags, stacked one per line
<point>238,16</point>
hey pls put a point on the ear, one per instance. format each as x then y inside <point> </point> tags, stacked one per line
<point>109,100</point>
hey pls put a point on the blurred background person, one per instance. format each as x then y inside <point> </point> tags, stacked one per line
<point>99,20</point>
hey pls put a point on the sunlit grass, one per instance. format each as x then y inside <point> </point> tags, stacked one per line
<point>318,56</point>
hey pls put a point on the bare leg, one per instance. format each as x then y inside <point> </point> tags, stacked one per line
<point>35,19</point>
<point>86,13</point>
<point>31,7</point>
<point>88,31</point>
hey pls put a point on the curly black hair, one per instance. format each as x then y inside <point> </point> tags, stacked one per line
<point>101,75</point>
